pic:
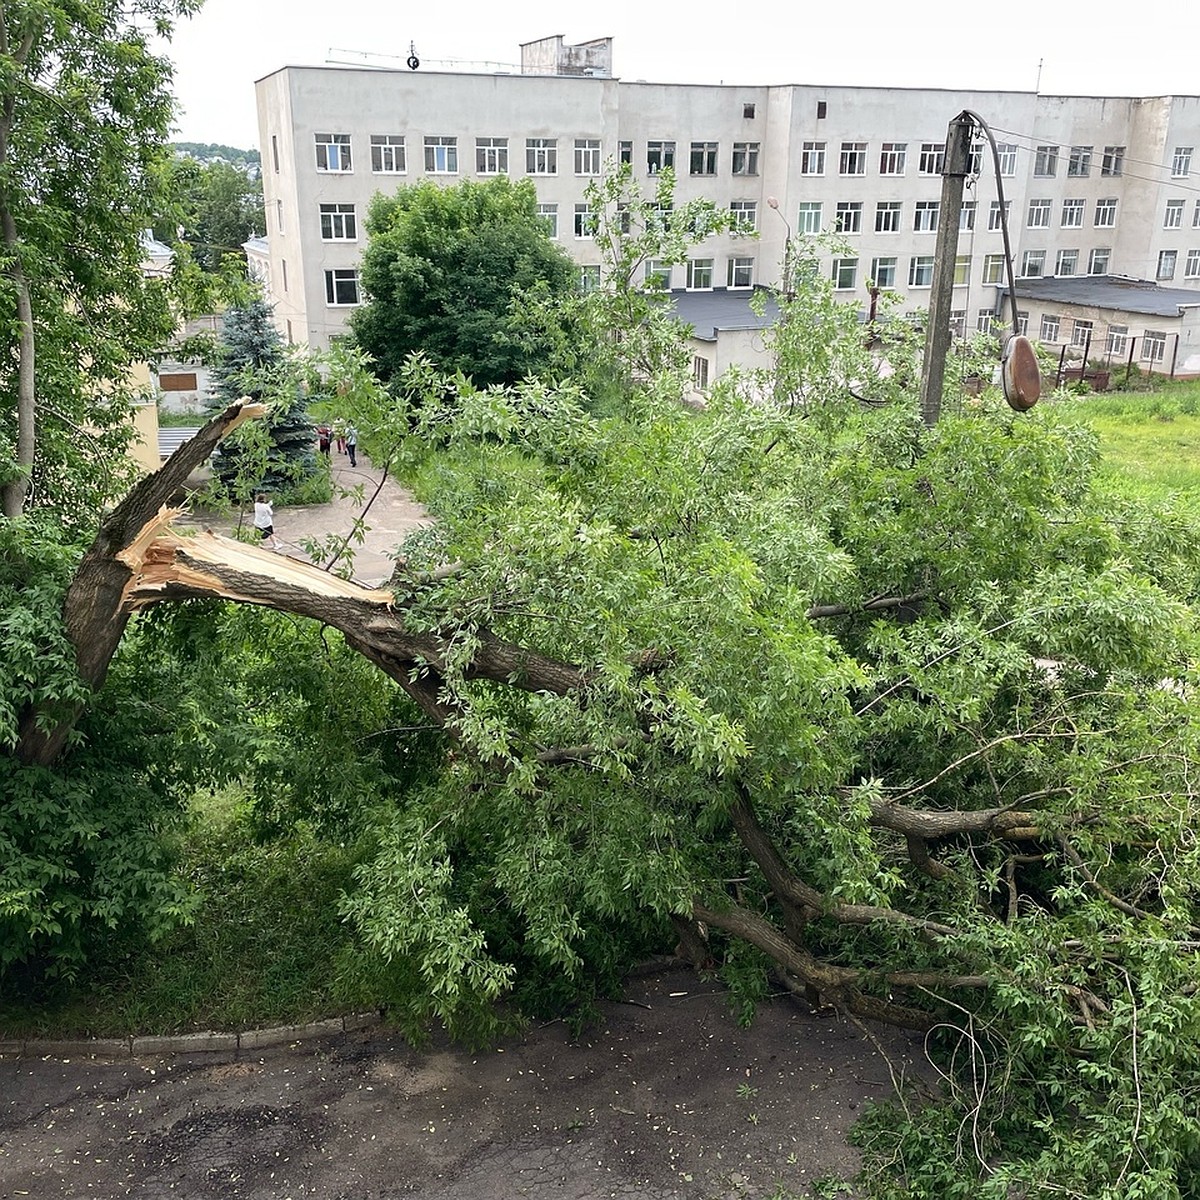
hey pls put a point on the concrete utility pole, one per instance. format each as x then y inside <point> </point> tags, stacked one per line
<point>937,335</point>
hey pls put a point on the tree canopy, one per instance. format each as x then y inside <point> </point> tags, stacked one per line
<point>215,208</point>
<point>441,270</point>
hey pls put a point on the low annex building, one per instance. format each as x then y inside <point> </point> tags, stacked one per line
<point>1112,319</point>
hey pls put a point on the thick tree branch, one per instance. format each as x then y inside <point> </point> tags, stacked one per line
<point>877,605</point>
<point>792,890</point>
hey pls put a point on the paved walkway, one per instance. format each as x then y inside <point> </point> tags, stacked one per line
<point>390,518</point>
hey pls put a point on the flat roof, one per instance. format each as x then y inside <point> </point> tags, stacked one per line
<point>1110,291</point>
<point>708,312</point>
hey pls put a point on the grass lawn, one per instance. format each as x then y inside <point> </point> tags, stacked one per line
<point>1151,440</point>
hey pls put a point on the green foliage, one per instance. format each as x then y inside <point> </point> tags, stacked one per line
<point>441,270</point>
<point>214,208</point>
<point>86,106</point>
<point>277,454</point>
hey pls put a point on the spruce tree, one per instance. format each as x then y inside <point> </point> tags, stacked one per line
<point>252,362</point>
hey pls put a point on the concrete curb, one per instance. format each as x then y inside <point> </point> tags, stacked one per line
<point>187,1043</point>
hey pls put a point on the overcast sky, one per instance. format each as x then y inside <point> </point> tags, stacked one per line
<point>1102,48</point>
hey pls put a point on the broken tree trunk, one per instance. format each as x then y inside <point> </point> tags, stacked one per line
<point>136,561</point>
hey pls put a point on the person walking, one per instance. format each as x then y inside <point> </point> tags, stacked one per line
<point>324,433</point>
<point>339,435</point>
<point>352,444</point>
<point>264,520</point>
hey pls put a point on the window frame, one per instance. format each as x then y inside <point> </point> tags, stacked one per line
<point>812,158</point>
<point>703,157</point>
<point>740,264</point>
<point>893,158</point>
<point>920,271</point>
<point>844,273</point>
<point>1045,161</point>
<point>847,218</point>
<point>852,155</point>
<point>660,155</point>
<point>744,160</point>
<point>1105,207</point>
<point>541,156</point>
<point>384,146</point>
<point>699,269</point>
<point>334,215</point>
<point>335,278</point>
<point>1072,212</point>
<point>1079,162</point>
<point>926,216</point>
<point>491,156</point>
<point>441,149</point>
<point>806,210</point>
<point>588,160</point>
<point>888,263</point>
<point>341,144</point>
<point>932,159</point>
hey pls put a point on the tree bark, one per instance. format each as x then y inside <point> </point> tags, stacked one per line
<point>135,561</point>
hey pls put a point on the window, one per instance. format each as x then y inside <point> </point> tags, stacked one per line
<point>883,272</point>
<point>333,151</point>
<point>658,275</point>
<point>933,158</point>
<point>1181,162</point>
<point>625,153</point>
<point>1166,264</point>
<point>283,265</point>
<point>853,158</point>
<point>659,156</point>
<point>1079,162</point>
<point>926,219</point>
<point>1173,217</point>
<point>809,218</point>
<point>966,216</point>
<point>338,223</point>
<point>699,274</point>
<point>1196,216</point>
<point>491,155</point>
<point>741,272</point>
<point>745,158</point>
<point>745,215</point>
<point>585,222</point>
<point>845,272</point>
<point>1039,214</point>
<point>441,155</point>
<point>849,217</point>
<point>920,271</point>
<point>993,268</point>
<point>1113,162</point>
<point>1066,262</point>
<point>887,216</point>
<point>1098,261</point>
<point>812,158</point>
<point>587,156</point>
<point>275,152</point>
<point>1154,346</point>
<point>1106,213</point>
<point>1033,263</point>
<point>1045,161</point>
<point>589,279</point>
<point>703,158</point>
<point>1072,214</point>
<point>958,322</point>
<point>387,154</point>
<point>747,112</point>
<point>700,372</point>
<point>1049,332</point>
<point>549,216</point>
<point>1081,333</point>
<point>279,215</point>
<point>891,158</point>
<point>822,109</point>
<point>1116,341</point>
<point>1191,266</point>
<point>1023,321</point>
<point>1007,153</point>
<point>985,320</point>
<point>962,270</point>
<point>541,156</point>
<point>994,223</point>
<point>341,287</point>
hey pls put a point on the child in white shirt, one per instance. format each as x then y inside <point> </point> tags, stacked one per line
<point>264,520</point>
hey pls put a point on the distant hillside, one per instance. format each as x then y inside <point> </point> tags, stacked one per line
<point>210,151</point>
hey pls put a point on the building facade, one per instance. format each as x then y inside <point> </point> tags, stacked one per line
<point>1094,185</point>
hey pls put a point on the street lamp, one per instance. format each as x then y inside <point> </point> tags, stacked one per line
<point>789,286</point>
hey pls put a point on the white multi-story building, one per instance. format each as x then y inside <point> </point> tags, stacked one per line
<point>1095,185</point>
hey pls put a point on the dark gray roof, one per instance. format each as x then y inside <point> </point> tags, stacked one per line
<point>1110,291</point>
<point>707,312</point>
